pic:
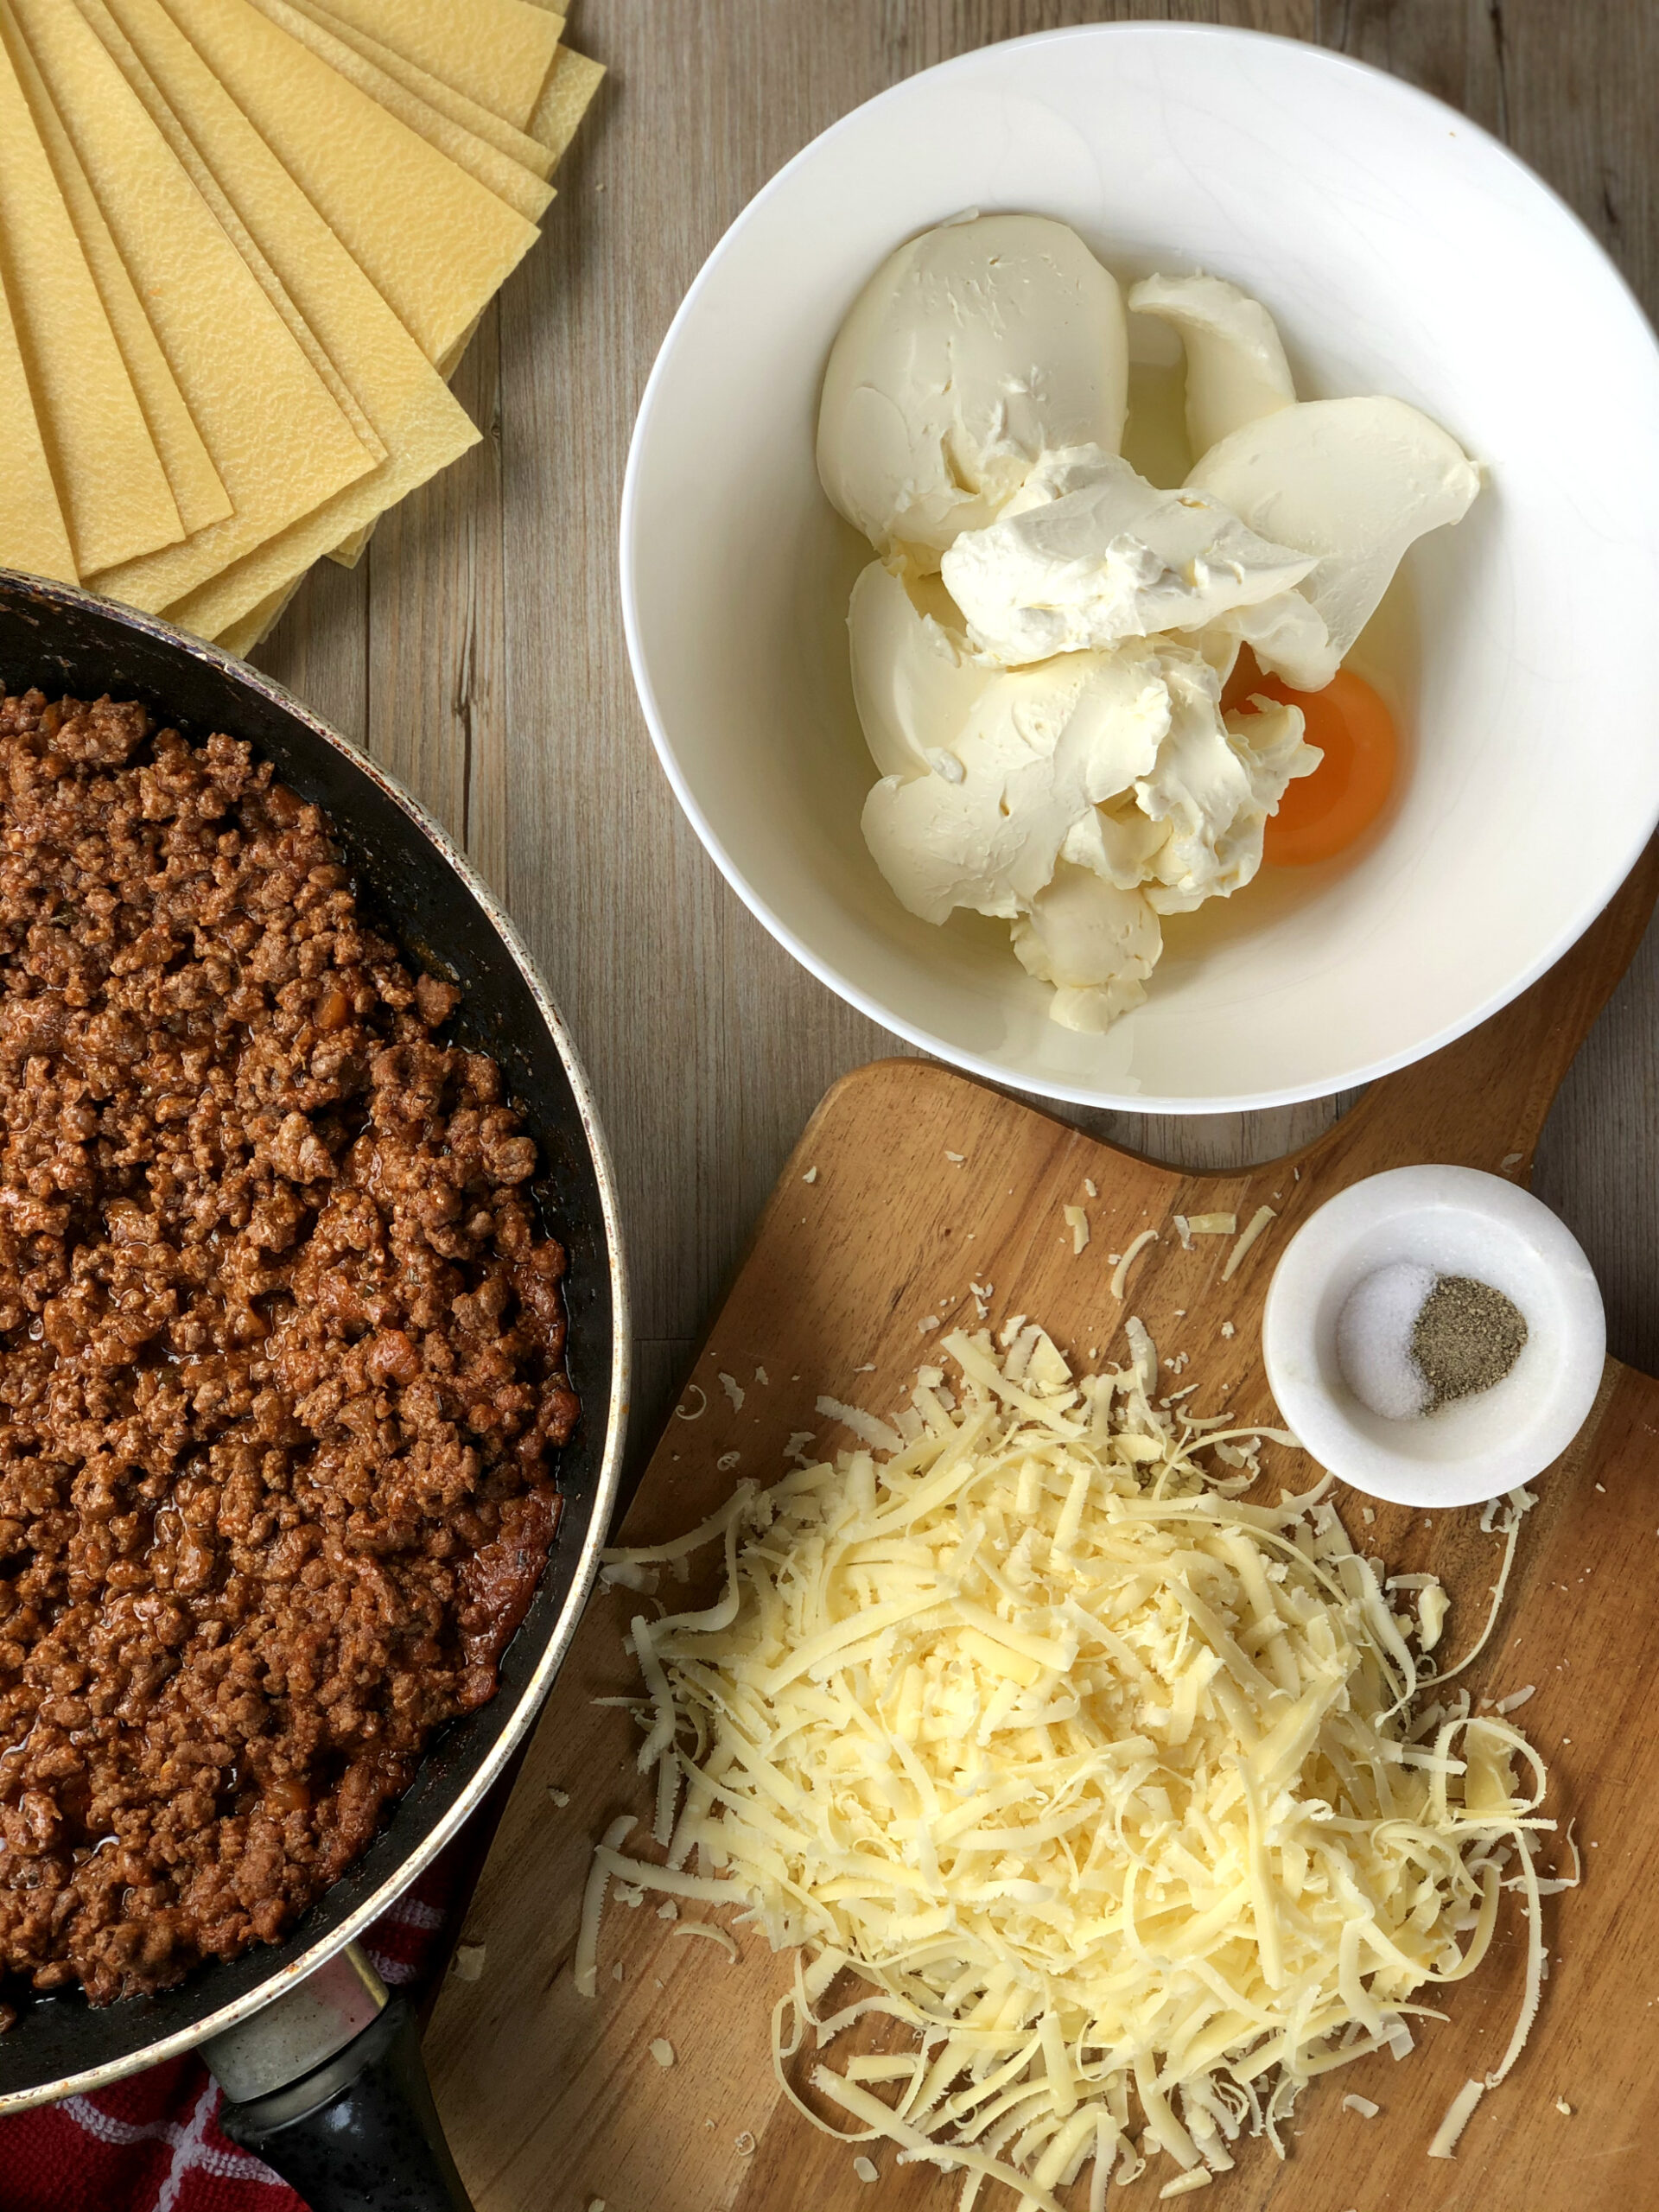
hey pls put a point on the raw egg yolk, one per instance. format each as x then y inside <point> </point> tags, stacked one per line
<point>1321,815</point>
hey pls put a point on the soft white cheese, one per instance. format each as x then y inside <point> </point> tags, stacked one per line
<point>1213,785</point>
<point>1095,943</point>
<point>971,351</point>
<point>1353,482</point>
<point>1088,553</point>
<point>1077,799</point>
<point>915,681</point>
<point>1115,841</point>
<point>1236,366</point>
<point>1286,634</point>
<point>1042,747</point>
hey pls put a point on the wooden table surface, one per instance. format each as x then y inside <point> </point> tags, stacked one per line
<point>477,650</point>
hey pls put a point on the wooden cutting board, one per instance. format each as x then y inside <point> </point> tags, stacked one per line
<point>552,2100</point>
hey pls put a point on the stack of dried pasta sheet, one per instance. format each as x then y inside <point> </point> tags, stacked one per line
<point>242,244</point>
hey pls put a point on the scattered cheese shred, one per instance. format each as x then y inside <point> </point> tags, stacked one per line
<point>1078,1222</point>
<point>1432,1607</point>
<point>1143,1353</point>
<point>1362,2106</point>
<point>1515,1504</point>
<point>1112,1788</point>
<point>641,1876</point>
<point>1212,1224</point>
<point>866,2168</point>
<point>715,1935</point>
<point>662,2050</point>
<point>643,1579</point>
<point>864,1425</point>
<point>586,1970</point>
<point>1120,1272</point>
<point>1258,1222</point>
<point>1445,2144</point>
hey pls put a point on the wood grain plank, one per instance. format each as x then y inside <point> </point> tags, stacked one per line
<point>659,1368</point>
<point>321,648</point>
<point>1453,48</point>
<point>436,647</point>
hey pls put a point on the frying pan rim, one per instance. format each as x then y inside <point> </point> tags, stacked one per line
<point>244,677</point>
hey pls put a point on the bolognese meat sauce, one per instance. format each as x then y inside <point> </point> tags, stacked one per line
<point>281,1357</point>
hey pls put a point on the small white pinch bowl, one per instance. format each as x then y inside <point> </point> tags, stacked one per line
<point>1402,251</point>
<point>1456,1221</point>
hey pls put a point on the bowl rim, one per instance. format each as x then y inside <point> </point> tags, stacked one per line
<point>978,1064</point>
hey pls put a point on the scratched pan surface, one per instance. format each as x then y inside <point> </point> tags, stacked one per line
<point>551,2100</point>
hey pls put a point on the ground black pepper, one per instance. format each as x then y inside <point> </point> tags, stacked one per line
<point>1466,1338</point>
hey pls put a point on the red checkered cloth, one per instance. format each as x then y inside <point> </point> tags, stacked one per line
<point>152,2144</point>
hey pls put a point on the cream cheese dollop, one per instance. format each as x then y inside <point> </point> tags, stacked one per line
<point>1087,553</point>
<point>1094,942</point>
<point>1352,482</point>
<point>1236,366</point>
<point>1213,785</point>
<point>974,349</point>
<point>1039,749</point>
<point>916,680</point>
<point>1077,799</point>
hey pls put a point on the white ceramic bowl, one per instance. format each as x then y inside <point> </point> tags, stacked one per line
<point>1453,1220</point>
<point>1402,251</point>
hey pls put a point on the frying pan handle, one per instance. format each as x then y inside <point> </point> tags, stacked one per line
<point>361,2132</point>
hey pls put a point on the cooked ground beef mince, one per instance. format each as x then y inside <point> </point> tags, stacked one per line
<point>281,1357</point>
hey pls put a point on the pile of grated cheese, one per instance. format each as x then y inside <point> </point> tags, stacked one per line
<point>1126,1797</point>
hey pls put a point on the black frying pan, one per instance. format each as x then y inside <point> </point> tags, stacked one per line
<point>409,875</point>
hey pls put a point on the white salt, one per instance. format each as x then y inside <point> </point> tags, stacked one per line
<point>1374,1333</point>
